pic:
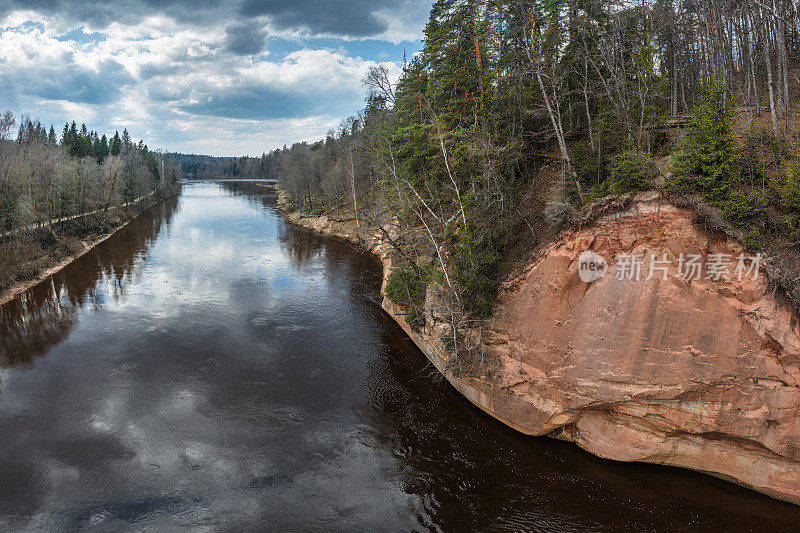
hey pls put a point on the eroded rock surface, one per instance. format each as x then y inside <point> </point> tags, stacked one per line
<point>701,374</point>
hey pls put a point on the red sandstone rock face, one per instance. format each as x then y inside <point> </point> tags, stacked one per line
<point>701,374</point>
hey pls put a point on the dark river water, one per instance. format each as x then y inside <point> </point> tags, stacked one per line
<point>211,368</point>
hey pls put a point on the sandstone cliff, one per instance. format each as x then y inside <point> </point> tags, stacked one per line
<point>696,373</point>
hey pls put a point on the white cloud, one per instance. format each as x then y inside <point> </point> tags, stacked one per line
<point>189,87</point>
<point>405,24</point>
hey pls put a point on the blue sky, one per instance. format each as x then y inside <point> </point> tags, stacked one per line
<point>201,76</point>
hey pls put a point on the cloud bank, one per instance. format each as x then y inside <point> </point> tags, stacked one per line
<point>201,76</point>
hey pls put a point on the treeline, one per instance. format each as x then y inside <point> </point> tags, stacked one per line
<point>328,173</point>
<point>43,178</point>
<point>208,167</point>
<point>82,143</point>
<point>578,98</point>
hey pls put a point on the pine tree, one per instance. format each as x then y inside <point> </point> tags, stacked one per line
<point>412,135</point>
<point>707,158</point>
<point>103,153</point>
<point>85,142</point>
<point>116,144</point>
<point>99,147</point>
<point>70,140</point>
<point>456,58</point>
<point>631,173</point>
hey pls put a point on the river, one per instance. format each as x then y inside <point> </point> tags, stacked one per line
<point>210,367</point>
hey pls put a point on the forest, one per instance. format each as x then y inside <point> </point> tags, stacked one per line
<point>55,190</point>
<point>517,117</point>
<point>195,166</point>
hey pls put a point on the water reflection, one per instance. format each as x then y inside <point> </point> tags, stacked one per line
<point>212,368</point>
<point>44,315</point>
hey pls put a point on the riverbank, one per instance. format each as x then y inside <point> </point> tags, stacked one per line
<point>255,364</point>
<point>476,388</point>
<point>46,263</point>
<point>703,375</point>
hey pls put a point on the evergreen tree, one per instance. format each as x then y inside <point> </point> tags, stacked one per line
<point>72,143</point>
<point>707,158</point>
<point>103,148</point>
<point>456,58</point>
<point>126,139</point>
<point>151,162</point>
<point>65,135</point>
<point>85,142</point>
<point>95,151</point>
<point>99,147</point>
<point>411,138</point>
<point>116,144</point>
<point>631,172</point>
<point>790,189</point>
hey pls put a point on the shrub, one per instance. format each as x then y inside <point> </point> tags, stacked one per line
<point>752,155</point>
<point>706,160</point>
<point>559,213</point>
<point>752,241</point>
<point>475,260</point>
<point>631,172</point>
<point>741,207</point>
<point>790,191</point>
<point>595,191</point>
<point>587,165</point>
<point>660,143</point>
<point>406,286</point>
<point>591,174</point>
<point>792,221</point>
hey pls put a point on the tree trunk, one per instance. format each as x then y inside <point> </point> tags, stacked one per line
<point>353,186</point>
<point>556,121</point>
<point>770,83</point>
<point>586,101</point>
<point>674,100</point>
<point>785,68</point>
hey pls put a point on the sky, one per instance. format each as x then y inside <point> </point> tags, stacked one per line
<point>201,76</point>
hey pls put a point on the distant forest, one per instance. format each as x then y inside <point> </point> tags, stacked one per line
<point>209,167</point>
<point>44,176</point>
<point>56,189</point>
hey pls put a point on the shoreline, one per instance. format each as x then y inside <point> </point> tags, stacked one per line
<point>480,397</point>
<point>18,288</point>
<point>494,400</point>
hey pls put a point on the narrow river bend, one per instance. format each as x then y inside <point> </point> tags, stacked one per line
<point>210,367</point>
